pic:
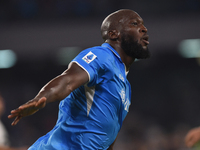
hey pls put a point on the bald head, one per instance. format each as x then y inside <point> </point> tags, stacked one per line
<point>113,21</point>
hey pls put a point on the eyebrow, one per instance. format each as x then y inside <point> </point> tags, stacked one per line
<point>138,19</point>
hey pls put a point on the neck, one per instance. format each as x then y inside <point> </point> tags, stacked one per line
<point>127,60</point>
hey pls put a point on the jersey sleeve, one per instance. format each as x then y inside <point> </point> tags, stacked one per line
<point>95,62</point>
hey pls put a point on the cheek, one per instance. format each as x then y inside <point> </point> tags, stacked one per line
<point>136,35</point>
<point>130,35</point>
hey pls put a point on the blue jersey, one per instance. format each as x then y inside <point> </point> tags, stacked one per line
<point>92,115</point>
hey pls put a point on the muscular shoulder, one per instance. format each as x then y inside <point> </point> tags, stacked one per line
<point>103,54</point>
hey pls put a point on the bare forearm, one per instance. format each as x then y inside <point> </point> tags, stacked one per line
<point>57,89</point>
<point>61,86</point>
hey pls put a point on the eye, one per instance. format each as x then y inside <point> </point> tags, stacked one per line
<point>135,23</point>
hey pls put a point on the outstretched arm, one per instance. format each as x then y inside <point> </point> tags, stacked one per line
<point>192,137</point>
<point>55,90</point>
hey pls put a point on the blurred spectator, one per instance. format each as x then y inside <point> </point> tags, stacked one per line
<point>4,139</point>
<point>193,137</point>
<point>3,133</point>
<point>53,9</point>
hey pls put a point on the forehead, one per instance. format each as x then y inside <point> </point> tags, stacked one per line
<point>131,16</point>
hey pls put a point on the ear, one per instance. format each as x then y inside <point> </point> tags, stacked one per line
<point>113,34</point>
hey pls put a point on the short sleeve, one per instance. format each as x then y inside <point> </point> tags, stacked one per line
<point>93,61</point>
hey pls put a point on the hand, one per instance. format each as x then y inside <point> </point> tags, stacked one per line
<point>27,109</point>
<point>192,137</point>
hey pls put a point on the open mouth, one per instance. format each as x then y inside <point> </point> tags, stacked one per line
<point>145,39</point>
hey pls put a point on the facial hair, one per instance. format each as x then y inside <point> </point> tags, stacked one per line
<point>132,48</point>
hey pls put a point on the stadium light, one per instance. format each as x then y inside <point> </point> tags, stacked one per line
<point>7,58</point>
<point>190,48</point>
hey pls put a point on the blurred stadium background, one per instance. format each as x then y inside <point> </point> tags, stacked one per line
<point>38,38</point>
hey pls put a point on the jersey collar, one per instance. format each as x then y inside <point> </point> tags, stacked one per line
<point>111,48</point>
<point>116,54</point>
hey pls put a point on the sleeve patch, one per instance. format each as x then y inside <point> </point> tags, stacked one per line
<point>89,57</point>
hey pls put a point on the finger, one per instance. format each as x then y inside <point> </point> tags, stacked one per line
<point>16,120</point>
<point>12,116</point>
<point>14,113</point>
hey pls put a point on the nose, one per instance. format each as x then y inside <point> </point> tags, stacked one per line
<point>143,29</point>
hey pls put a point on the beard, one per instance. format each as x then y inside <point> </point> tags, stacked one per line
<point>132,48</point>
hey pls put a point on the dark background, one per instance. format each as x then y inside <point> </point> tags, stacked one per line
<point>165,88</point>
